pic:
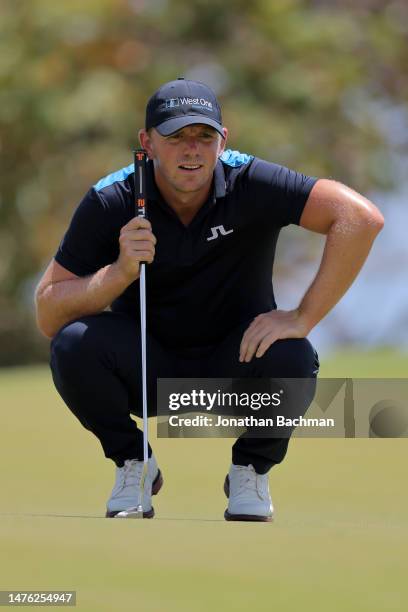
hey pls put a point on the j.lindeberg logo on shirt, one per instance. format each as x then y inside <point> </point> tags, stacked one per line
<point>217,231</point>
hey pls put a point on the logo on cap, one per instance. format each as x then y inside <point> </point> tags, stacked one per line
<point>198,102</point>
<point>172,102</point>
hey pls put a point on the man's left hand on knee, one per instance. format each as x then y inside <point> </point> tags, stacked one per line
<point>268,327</point>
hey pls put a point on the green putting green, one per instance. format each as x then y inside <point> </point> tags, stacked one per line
<point>338,542</point>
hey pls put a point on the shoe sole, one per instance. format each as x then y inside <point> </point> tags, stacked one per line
<point>156,486</point>
<point>256,518</point>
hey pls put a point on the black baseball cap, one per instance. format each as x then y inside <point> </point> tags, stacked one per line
<point>180,103</point>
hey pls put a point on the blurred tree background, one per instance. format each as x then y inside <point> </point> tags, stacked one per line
<point>300,82</point>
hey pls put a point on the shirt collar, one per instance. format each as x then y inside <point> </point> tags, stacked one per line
<point>220,186</point>
<point>151,187</point>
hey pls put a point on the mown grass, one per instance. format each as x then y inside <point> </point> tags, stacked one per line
<point>338,543</point>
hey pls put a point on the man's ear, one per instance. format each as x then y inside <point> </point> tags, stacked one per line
<point>146,142</point>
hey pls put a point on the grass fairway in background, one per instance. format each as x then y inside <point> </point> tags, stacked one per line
<point>338,542</point>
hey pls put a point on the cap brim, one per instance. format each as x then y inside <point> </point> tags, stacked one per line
<point>173,125</point>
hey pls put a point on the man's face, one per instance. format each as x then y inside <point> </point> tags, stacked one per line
<point>185,160</point>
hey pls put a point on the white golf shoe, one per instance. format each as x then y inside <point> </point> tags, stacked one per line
<point>248,493</point>
<point>124,498</point>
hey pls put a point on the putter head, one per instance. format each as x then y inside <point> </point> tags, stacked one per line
<point>131,513</point>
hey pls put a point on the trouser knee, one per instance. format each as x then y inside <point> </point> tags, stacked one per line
<point>71,350</point>
<point>290,358</point>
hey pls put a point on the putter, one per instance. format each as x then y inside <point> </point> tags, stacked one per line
<point>140,157</point>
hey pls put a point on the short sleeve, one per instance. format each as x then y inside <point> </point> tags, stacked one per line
<point>278,193</point>
<point>87,244</point>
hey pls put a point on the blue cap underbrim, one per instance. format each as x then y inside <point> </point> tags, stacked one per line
<point>177,123</point>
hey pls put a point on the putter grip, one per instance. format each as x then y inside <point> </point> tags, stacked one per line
<point>140,158</point>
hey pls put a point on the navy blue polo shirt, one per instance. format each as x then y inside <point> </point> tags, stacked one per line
<point>206,277</point>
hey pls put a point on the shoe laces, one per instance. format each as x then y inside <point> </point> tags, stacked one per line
<point>246,479</point>
<point>130,474</point>
<point>249,480</point>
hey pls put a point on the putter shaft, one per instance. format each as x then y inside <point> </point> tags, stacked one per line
<point>140,195</point>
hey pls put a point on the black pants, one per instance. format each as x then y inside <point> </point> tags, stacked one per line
<point>96,368</point>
